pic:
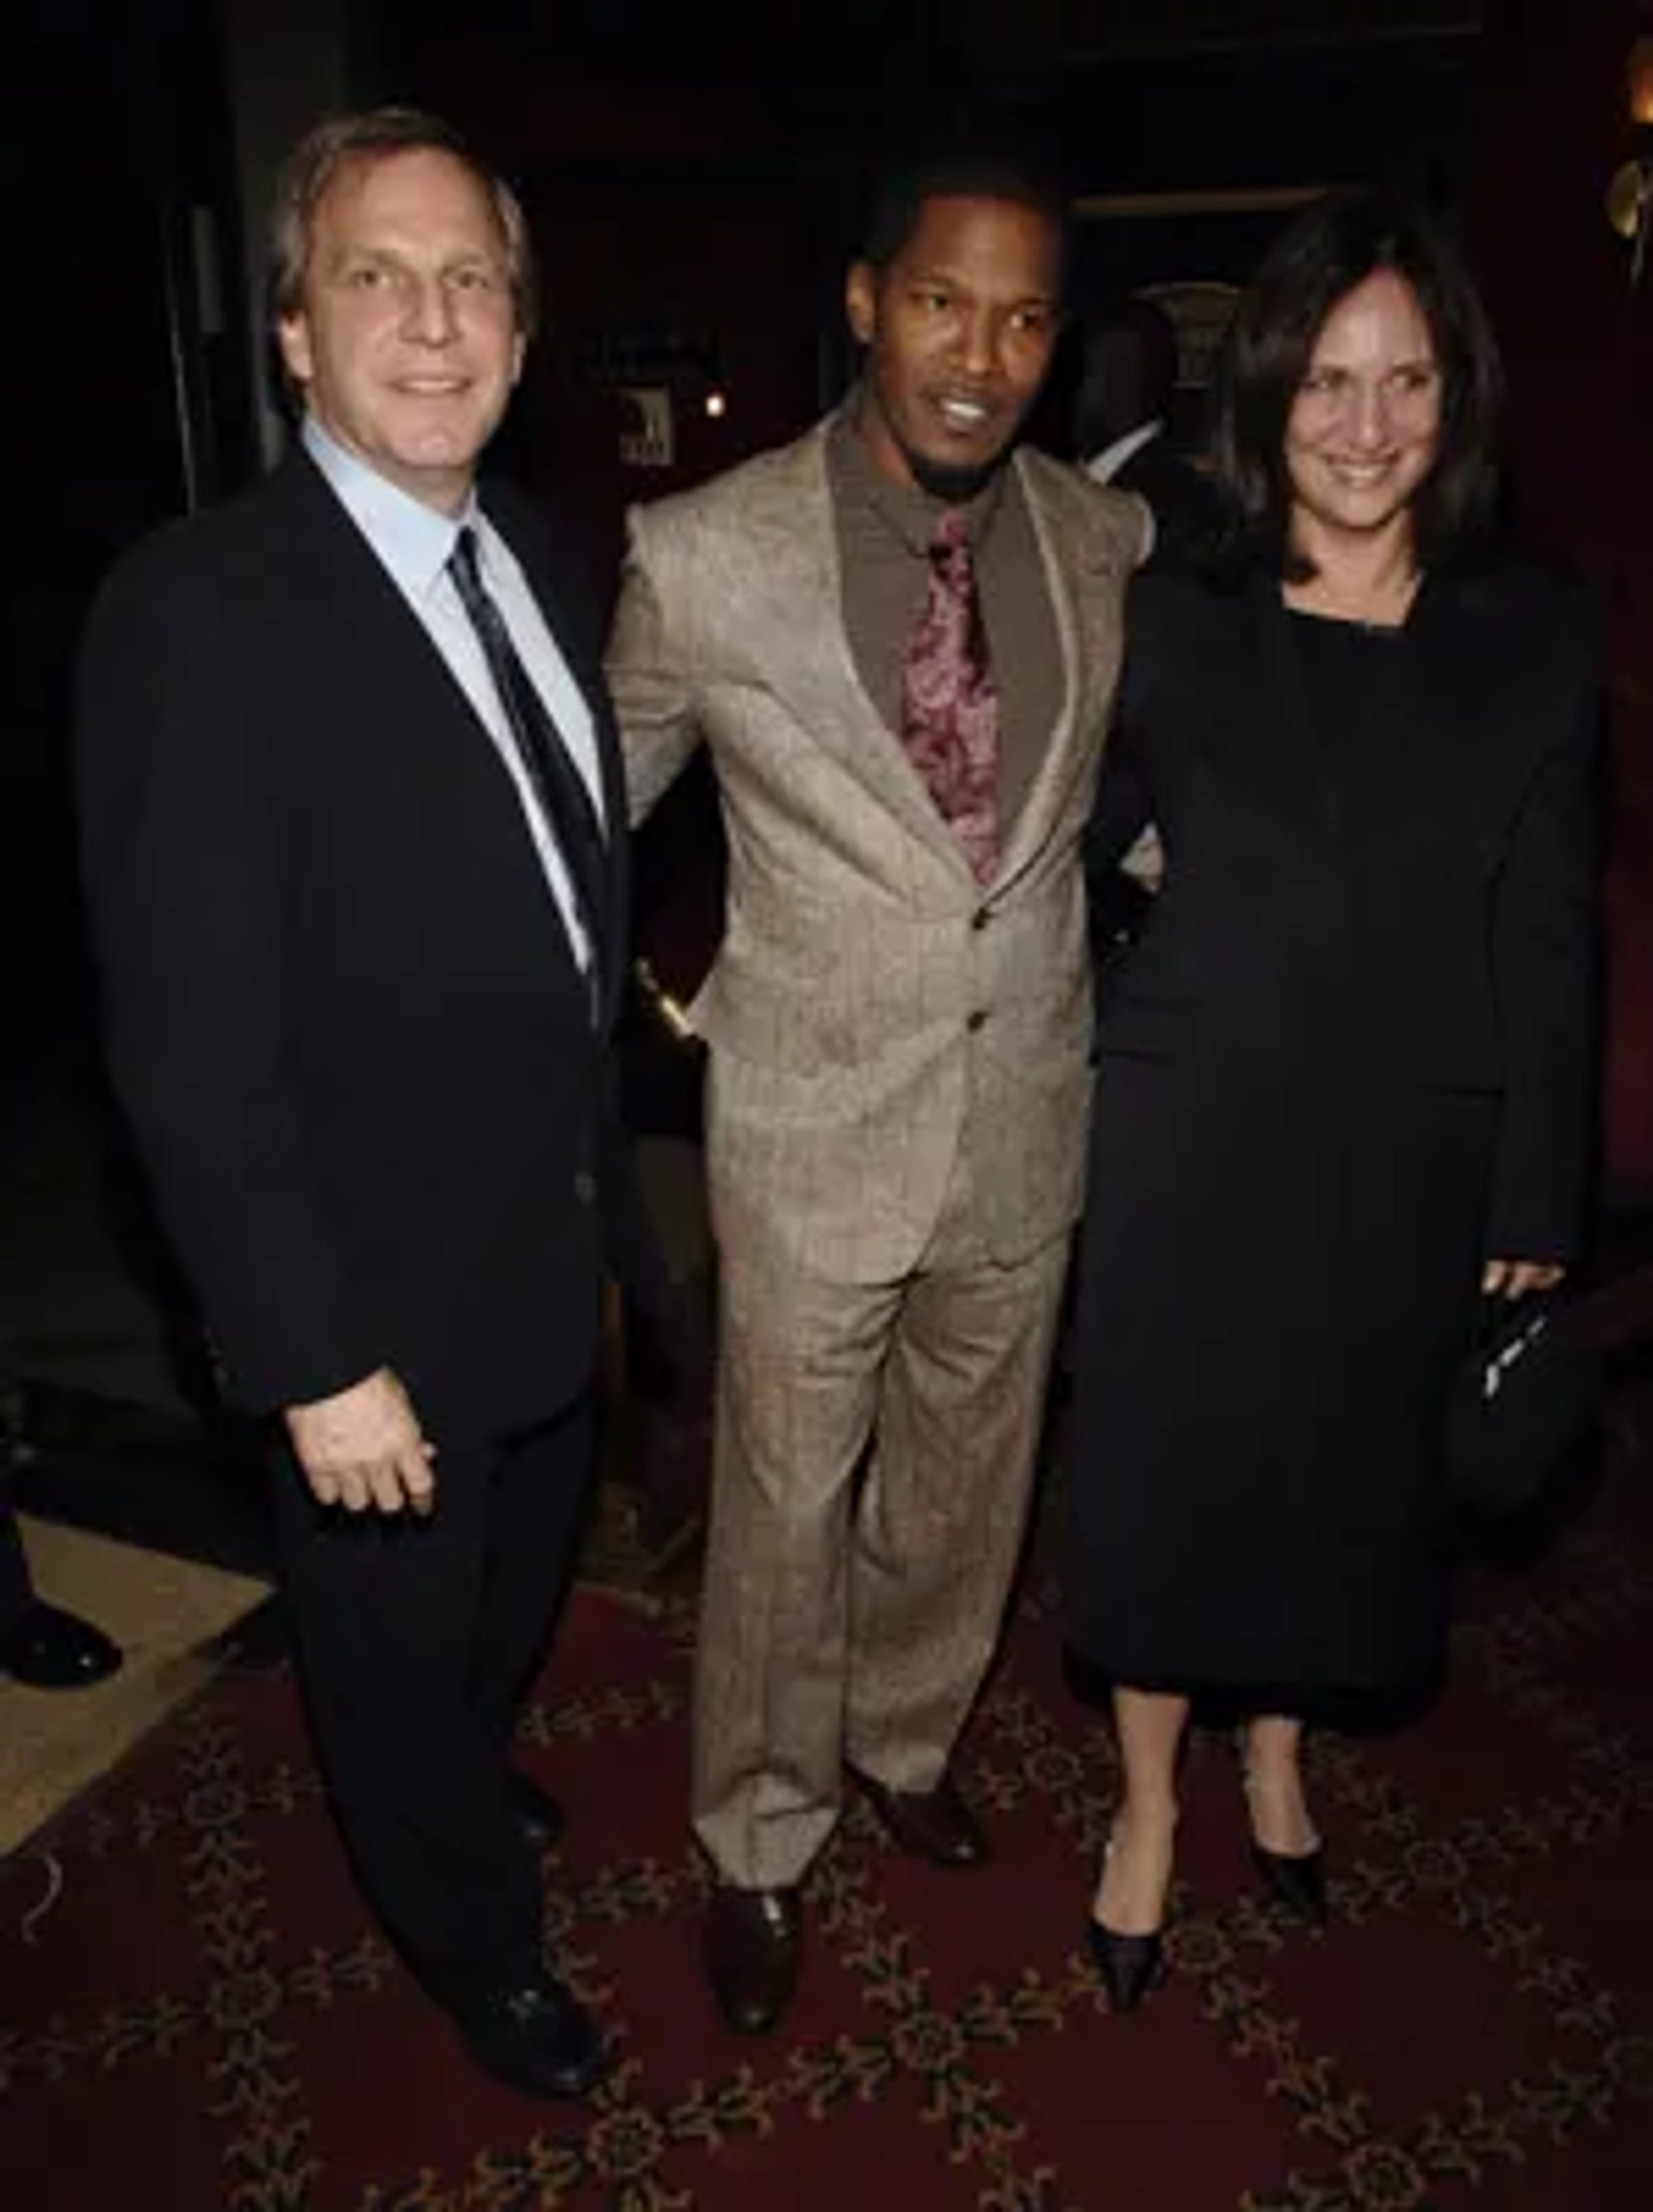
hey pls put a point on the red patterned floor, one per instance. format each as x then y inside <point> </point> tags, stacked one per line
<point>204,2019</point>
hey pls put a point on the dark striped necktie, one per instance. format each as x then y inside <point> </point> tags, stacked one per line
<point>556,782</point>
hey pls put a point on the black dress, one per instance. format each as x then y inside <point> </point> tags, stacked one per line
<point>1348,1060</point>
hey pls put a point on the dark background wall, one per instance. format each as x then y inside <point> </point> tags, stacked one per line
<point>122,401</point>
<point>1578,344</point>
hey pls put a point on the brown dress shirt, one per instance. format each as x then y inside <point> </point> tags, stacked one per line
<point>885,532</point>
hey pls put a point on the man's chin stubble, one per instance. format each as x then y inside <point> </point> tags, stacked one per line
<point>954,486</point>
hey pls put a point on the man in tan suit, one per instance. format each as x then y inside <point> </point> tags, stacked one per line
<point>900,644</point>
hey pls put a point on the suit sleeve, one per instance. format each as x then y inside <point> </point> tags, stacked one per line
<point>1118,896</point>
<point>185,861</point>
<point>1123,811</point>
<point>649,679</point>
<point>1544,959</point>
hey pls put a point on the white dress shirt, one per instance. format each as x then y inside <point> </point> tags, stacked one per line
<point>1102,467</point>
<point>414,542</point>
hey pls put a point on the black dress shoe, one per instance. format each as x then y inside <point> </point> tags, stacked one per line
<point>934,1823</point>
<point>1129,1967</point>
<point>540,1818</point>
<point>751,1940</point>
<point>1295,1880</point>
<point>535,2038</point>
<point>49,1649</point>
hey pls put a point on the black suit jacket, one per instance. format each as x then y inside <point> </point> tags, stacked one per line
<point>341,1009</point>
<point>1184,503</point>
<point>1410,899</point>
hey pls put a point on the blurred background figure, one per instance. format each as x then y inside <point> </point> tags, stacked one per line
<point>1124,426</point>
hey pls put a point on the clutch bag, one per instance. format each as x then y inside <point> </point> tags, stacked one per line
<point>1523,1403</point>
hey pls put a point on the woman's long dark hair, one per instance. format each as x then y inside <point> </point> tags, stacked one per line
<point>1329,251</point>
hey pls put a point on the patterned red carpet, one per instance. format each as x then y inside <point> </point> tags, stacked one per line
<point>201,2018</point>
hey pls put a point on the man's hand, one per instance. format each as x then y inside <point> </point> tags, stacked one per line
<point>363,1448</point>
<point>1514,1279</point>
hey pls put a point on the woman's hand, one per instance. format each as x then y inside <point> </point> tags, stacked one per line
<point>1514,1279</point>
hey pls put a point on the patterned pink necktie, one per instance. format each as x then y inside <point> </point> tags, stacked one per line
<point>949,702</point>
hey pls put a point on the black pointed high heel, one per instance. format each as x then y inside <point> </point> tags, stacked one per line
<point>1129,1967</point>
<point>1295,1880</point>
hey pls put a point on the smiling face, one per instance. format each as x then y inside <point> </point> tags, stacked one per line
<point>959,329</point>
<point>1365,427</point>
<point>406,344</point>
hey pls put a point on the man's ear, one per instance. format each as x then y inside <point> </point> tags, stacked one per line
<point>861,300</point>
<point>292,339</point>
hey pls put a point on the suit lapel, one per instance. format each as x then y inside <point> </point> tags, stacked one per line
<point>793,565</point>
<point>345,610</point>
<point>1087,610</point>
<point>557,605</point>
<point>793,554</point>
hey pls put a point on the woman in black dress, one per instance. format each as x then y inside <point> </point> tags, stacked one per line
<point>1344,1080</point>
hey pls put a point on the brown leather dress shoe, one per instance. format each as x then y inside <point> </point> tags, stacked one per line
<point>934,1823</point>
<point>751,1940</point>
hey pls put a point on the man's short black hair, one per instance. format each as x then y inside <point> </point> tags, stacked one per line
<point>903,196</point>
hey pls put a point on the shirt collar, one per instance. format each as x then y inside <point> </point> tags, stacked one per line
<point>413,541</point>
<point>908,512</point>
<point>1103,467</point>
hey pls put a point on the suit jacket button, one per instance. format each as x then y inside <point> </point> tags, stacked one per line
<point>981,917</point>
<point>585,1186</point>
<point>976,1020</point>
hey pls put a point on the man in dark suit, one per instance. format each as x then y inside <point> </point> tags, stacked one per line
<point>1123,431</point>
<point>354,850</point>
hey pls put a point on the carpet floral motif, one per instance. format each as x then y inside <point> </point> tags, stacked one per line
<point>205,2018</point>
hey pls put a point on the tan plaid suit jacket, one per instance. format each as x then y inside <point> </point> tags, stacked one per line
<point>872,1007</point>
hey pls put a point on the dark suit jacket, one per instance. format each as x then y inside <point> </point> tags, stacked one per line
<point>341,1008</point>
<point>1184,504</point>
<point>1410,900</point>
